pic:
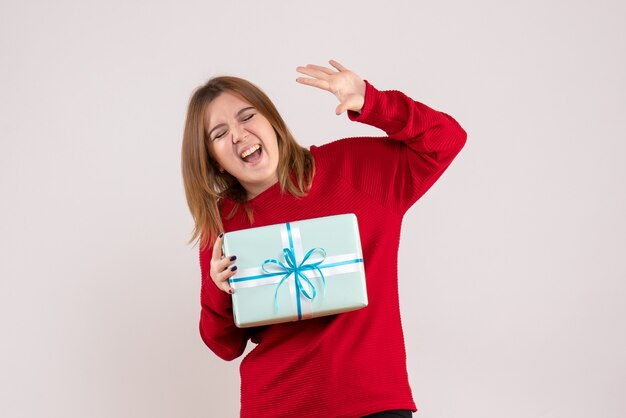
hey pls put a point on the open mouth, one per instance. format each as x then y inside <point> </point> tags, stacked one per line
<point>251,154</point>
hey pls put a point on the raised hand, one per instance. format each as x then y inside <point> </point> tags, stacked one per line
<point>346,85</point>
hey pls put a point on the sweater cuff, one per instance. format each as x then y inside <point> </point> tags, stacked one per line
<point>389,111</point>
<point>367,104</point>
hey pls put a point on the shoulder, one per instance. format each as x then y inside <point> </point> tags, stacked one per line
<point>344,150</point>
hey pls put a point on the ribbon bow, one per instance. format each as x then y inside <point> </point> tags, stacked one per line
<point>292,267</point>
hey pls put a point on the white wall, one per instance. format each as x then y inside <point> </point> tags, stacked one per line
<point>512,271</point>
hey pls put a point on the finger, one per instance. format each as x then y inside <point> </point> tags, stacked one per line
<point>224,263</point>
<point>338,66</point>
<point>325,70</point>
<point>219,266</point>
<point>320,84</point>
<point>217,247</point>
<point>225,287</point>
<point>223,279</point>
<point>340,109</point>
<point>313,72</point>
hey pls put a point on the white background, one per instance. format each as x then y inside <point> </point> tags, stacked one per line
<point>511,267</point>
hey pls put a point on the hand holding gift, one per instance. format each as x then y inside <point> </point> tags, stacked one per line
<point>222,268</point>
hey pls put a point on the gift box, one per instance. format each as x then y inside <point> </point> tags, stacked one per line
<point>296,270</point>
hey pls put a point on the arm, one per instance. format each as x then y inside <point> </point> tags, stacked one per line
<point>217,326</point>
<point>421,142</point>
<point>425,142</point>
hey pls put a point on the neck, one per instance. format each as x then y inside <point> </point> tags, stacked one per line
<point>254,192</point>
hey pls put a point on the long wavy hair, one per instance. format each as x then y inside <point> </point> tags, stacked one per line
<point>206,186</point>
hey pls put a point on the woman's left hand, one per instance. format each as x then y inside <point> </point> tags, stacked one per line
<point>346,85</point>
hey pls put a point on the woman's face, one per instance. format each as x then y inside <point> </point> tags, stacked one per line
<point>243,142</point>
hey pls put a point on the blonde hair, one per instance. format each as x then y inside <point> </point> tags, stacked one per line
<point>206,186</point>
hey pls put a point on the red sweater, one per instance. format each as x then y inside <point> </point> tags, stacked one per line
<point>352,364</point>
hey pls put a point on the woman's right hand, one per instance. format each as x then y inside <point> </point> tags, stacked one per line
<point>222,268</point>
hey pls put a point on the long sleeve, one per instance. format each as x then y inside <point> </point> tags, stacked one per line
<point>217,327</point>
<point>396,171</point>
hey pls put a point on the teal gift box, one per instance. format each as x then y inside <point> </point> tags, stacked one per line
<point>296,270</point>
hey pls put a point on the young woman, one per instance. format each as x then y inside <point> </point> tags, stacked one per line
<point>242,168</point>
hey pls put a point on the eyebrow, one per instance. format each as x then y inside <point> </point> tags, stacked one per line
<point>237,115</point>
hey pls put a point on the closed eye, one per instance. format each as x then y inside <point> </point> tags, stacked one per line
<point>219,135</point>
<point>245,118</point>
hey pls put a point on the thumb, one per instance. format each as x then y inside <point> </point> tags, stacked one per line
<point>341,108</point>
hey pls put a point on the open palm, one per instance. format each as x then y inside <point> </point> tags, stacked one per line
<point>346,85</point>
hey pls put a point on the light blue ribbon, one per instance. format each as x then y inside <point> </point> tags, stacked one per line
<point>292,267</point>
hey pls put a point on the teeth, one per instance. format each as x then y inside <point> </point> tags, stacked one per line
<point>250,150</point>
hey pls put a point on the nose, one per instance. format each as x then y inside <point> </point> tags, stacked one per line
<point>239,133</point>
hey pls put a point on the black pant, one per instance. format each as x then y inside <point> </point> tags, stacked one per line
<point>396,413</point>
